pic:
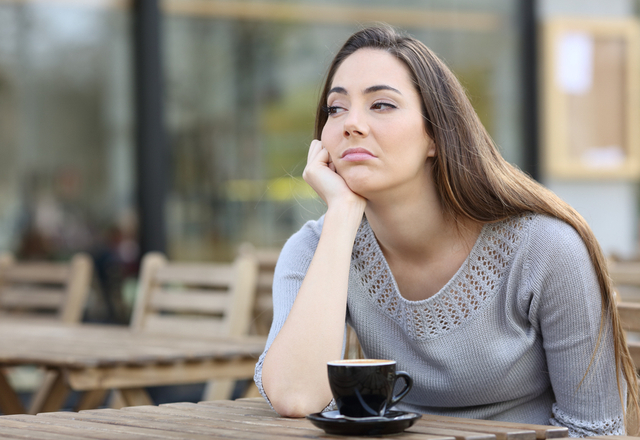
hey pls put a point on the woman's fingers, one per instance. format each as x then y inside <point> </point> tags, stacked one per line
<point>314,149</point>
<point>332,167</point>
<point>318,158</point>
<point>320,173</point>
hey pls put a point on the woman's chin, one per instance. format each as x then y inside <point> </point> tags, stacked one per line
<point>360,188</point>
<point>356,176</point>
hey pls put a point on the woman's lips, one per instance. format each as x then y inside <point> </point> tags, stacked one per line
<point>356,155</point>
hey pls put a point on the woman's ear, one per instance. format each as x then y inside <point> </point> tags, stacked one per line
<point>431,148</point>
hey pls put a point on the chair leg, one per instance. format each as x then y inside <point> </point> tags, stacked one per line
<point>130,397</point>
<point>51,395</point>
<point>9,401</point>
<point>116,401</point>
<point>91,399</point>
<point>221,389</point>
<point>252,391</point>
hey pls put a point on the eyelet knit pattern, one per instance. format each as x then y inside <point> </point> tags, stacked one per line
<point>459,300</point>
<point>583,428</point>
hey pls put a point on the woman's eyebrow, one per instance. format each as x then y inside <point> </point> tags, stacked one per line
<point>381,87</point>
<point>340,90</point>
<point>372,89</point>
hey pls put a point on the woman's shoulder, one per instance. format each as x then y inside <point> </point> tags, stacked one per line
<point>552,235</point>
<point>309,233</point>
<point>555,254</point>
<point>302,244</point>
<point>537,240</point>
<point>537,230</point>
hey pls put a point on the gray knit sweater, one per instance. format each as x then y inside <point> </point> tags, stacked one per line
<point>509,337</point>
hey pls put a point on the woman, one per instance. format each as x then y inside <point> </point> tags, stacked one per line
<point>483,285</point>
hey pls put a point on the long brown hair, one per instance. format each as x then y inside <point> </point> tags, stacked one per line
<point>472,178</point>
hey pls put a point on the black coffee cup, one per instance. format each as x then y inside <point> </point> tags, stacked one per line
<point>364,387</point>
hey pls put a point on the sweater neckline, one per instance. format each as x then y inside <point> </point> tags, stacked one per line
<point>465,295</point>
<point>392,279</point>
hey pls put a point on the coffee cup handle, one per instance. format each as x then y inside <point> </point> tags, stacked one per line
<point>408,383</point>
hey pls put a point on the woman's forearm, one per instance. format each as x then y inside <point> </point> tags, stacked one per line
<point>294,372</point>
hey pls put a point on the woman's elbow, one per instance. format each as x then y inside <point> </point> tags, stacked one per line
<point>287,408</point>
<point>292,403</point>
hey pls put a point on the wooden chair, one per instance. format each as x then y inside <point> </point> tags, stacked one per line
<point>630,318</point>
<point>192,299</point>
<point>626,279</point>
<point>45,289</point>
<point>263,304</point>
<point>352,349</point>
<point>42,290</point>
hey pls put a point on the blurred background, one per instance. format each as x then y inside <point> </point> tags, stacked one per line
<point>183,125</point>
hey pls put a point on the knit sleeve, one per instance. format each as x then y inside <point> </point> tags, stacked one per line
<point>291,268</point>
<point>566,310</point>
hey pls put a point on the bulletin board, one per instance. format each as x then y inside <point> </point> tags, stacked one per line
<point>590,107</point>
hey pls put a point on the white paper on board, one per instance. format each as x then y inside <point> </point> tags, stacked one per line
<point>609,157</point>
<point>574,61</point>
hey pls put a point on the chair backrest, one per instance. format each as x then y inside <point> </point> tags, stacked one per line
<point>630,319</point>
<point>195,299</point>
<point>45,289</point>
<point>352,348</point>
<point>263,304</point>
<point>626,279</point>
<point>626,282</point>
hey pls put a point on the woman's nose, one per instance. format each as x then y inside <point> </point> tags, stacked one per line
<point>355,124</point>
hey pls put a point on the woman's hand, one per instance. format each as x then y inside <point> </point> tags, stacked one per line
<point>320,173</point>
<point>294,372</point>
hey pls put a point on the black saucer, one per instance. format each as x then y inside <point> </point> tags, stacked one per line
<point>392,423</point>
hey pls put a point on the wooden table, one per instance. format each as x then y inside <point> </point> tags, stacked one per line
<point>96,358</point>
<point>250,419</point>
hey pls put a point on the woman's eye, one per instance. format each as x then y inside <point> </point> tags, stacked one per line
<point>333,109</point>
<point>382,106</point>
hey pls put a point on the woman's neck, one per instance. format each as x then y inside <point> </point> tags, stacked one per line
<point>416,227</point>
<point>423,247</point>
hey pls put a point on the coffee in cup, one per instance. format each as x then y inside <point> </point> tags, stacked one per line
<point>364,387</point>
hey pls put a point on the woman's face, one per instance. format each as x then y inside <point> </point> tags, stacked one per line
<point>375,132</point>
